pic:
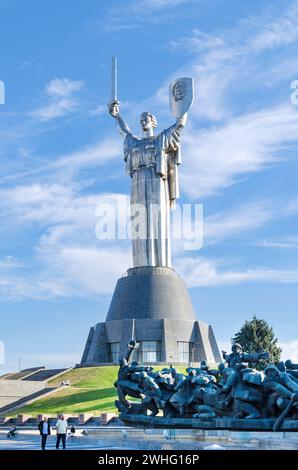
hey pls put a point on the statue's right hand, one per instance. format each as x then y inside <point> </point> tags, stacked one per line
<point>114,108</point>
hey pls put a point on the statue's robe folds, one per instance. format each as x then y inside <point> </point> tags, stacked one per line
<point>152,164</point>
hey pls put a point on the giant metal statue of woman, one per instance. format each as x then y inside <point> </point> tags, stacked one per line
<point>152,163</point>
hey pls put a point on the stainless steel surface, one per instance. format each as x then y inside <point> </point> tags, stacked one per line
<point>152,163</point>
<point>114,80</point>
<point>181,93</point>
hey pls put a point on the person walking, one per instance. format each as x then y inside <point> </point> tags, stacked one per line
<point>61,429</point>
<point>45,430</point>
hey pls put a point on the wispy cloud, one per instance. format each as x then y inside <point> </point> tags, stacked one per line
<point>244,145</point>
<point>60,99</point>
<point>289,350</point>
<point>10,262</point>
<point>201,272</point>
<point>98,154</point>
<point>239,219</point>
<point>68,258</point>
<point>223,143</point>
<point>198,41</point>
<point>275,33</point>
<point>283,243</point>
<point>134,14</point>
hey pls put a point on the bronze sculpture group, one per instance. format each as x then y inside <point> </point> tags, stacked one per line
<point>233,390</point>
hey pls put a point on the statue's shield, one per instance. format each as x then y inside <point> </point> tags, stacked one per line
<point>181,95</point>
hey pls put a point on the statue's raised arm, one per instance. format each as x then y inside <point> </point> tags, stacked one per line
<point>114,112</point>
<point>114,103</point>
<point>181,121</point>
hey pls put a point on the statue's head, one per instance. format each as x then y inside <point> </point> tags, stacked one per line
<point>272,372</point>
<point>221,366</point>
<point>236,348</point>
<point>148,121</point>
<point>289,364</point>
<point>204,365</point>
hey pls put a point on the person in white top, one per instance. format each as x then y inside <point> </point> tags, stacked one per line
<point>61,430</point>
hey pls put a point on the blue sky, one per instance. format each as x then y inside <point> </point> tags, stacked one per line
<point>61,156</point>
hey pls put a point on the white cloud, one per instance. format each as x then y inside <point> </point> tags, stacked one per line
<point>201,272</point>
<point>62,87</point>
<point>283,243</point>
<point>60,92</point>
<point>99,154</point>
<point>238,219</point>
<point>135,13</point>
<point>289,350</point>
<point>215,158</point>
<point>54,207</point>
<point>247,217</point>
<point>283,31</point>
<point>10,262</point>
<point>68,271</point>
<point>68,258</point>
<point>99,110</point>
<point>71,261</point>
<point>198,41</point>
<point>84,271</point>
<point>292,207</point>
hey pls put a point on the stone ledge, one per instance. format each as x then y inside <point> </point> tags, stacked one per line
<point>228,424</point>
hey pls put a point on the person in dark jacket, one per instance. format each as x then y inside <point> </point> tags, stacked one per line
<point>45,430</point>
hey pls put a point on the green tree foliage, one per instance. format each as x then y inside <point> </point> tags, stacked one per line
<point>256,336</point>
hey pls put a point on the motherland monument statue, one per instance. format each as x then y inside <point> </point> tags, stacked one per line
<point>151,303</point>
<point>152,163</point>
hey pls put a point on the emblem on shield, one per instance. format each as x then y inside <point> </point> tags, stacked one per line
<point>181,93</point>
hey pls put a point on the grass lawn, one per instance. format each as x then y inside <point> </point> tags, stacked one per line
<point>89,377</point>
<point>91,390</point>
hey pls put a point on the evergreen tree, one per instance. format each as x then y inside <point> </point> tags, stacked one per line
<point>257,336</point>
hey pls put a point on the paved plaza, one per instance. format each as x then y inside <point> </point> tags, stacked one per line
<point>140,439</point>
<point>30,440</point>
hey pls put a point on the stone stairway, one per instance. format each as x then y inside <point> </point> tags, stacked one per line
<point>44,374</point>
<point>22,401</point>
<point>22,374</point>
